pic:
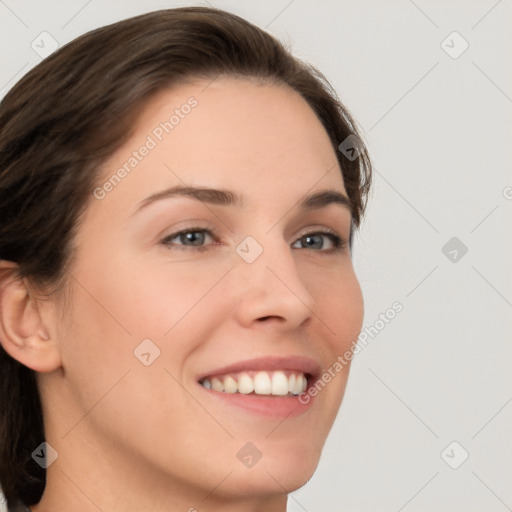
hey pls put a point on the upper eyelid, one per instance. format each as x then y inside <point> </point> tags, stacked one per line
<point>213,231</point>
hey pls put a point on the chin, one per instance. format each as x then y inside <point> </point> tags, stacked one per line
<point>267,482</point>
<point>276,472</point>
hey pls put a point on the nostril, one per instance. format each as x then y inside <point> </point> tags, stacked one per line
<point>267,317</point>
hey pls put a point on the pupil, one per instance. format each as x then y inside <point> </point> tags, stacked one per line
<point>193,237</point>
<point>311,238</point>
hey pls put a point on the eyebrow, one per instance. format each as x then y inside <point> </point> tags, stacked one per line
<point>221,197</point>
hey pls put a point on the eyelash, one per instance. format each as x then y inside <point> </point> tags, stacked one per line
<point>338,242</point>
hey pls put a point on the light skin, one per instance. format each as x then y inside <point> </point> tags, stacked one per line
<point>132,437</point>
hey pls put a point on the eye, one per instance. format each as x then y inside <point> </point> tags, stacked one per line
<point>315,240</point>
<point>195,238</point>
<point>189,238</point>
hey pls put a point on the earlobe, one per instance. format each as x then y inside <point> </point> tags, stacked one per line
<point>23,332</point>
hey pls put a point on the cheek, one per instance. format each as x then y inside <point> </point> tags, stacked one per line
<point>142,297</point>
<point>168,300</point>
<point>351,310</point>
<point>339,305</point>
<point>96,343</point>
<point>106,382</point>
<point>121,302</point>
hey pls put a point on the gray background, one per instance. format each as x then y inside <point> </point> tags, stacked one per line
<point>439,129</point>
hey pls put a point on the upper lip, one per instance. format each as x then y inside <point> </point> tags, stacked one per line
<point>302,364</point>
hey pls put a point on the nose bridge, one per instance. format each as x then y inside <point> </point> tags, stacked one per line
<point>271,283</point>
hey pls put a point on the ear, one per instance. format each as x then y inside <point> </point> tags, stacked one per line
<point>23,322</point>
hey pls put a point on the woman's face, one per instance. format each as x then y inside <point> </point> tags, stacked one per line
<point>254,293</point>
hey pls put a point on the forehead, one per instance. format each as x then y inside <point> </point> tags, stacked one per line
<point>260,140</point>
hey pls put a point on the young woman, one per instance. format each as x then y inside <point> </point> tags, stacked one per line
<point>178,196</point>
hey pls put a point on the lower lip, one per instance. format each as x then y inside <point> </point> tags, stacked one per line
<point>273,406</point>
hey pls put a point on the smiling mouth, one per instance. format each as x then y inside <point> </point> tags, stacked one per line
<point>264,383</point>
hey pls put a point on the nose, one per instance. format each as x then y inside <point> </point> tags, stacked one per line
<point>271,290</point>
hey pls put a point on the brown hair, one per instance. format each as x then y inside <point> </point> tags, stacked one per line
<point>69,114</point>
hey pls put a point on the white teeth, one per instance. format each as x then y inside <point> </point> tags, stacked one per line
<point>245,384</point>
<point>262,383</point>
<point>230,385</point>
<point>217,385</point>
<point>291,382</point>
<point>299,385</point>
<point>278,383</point>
